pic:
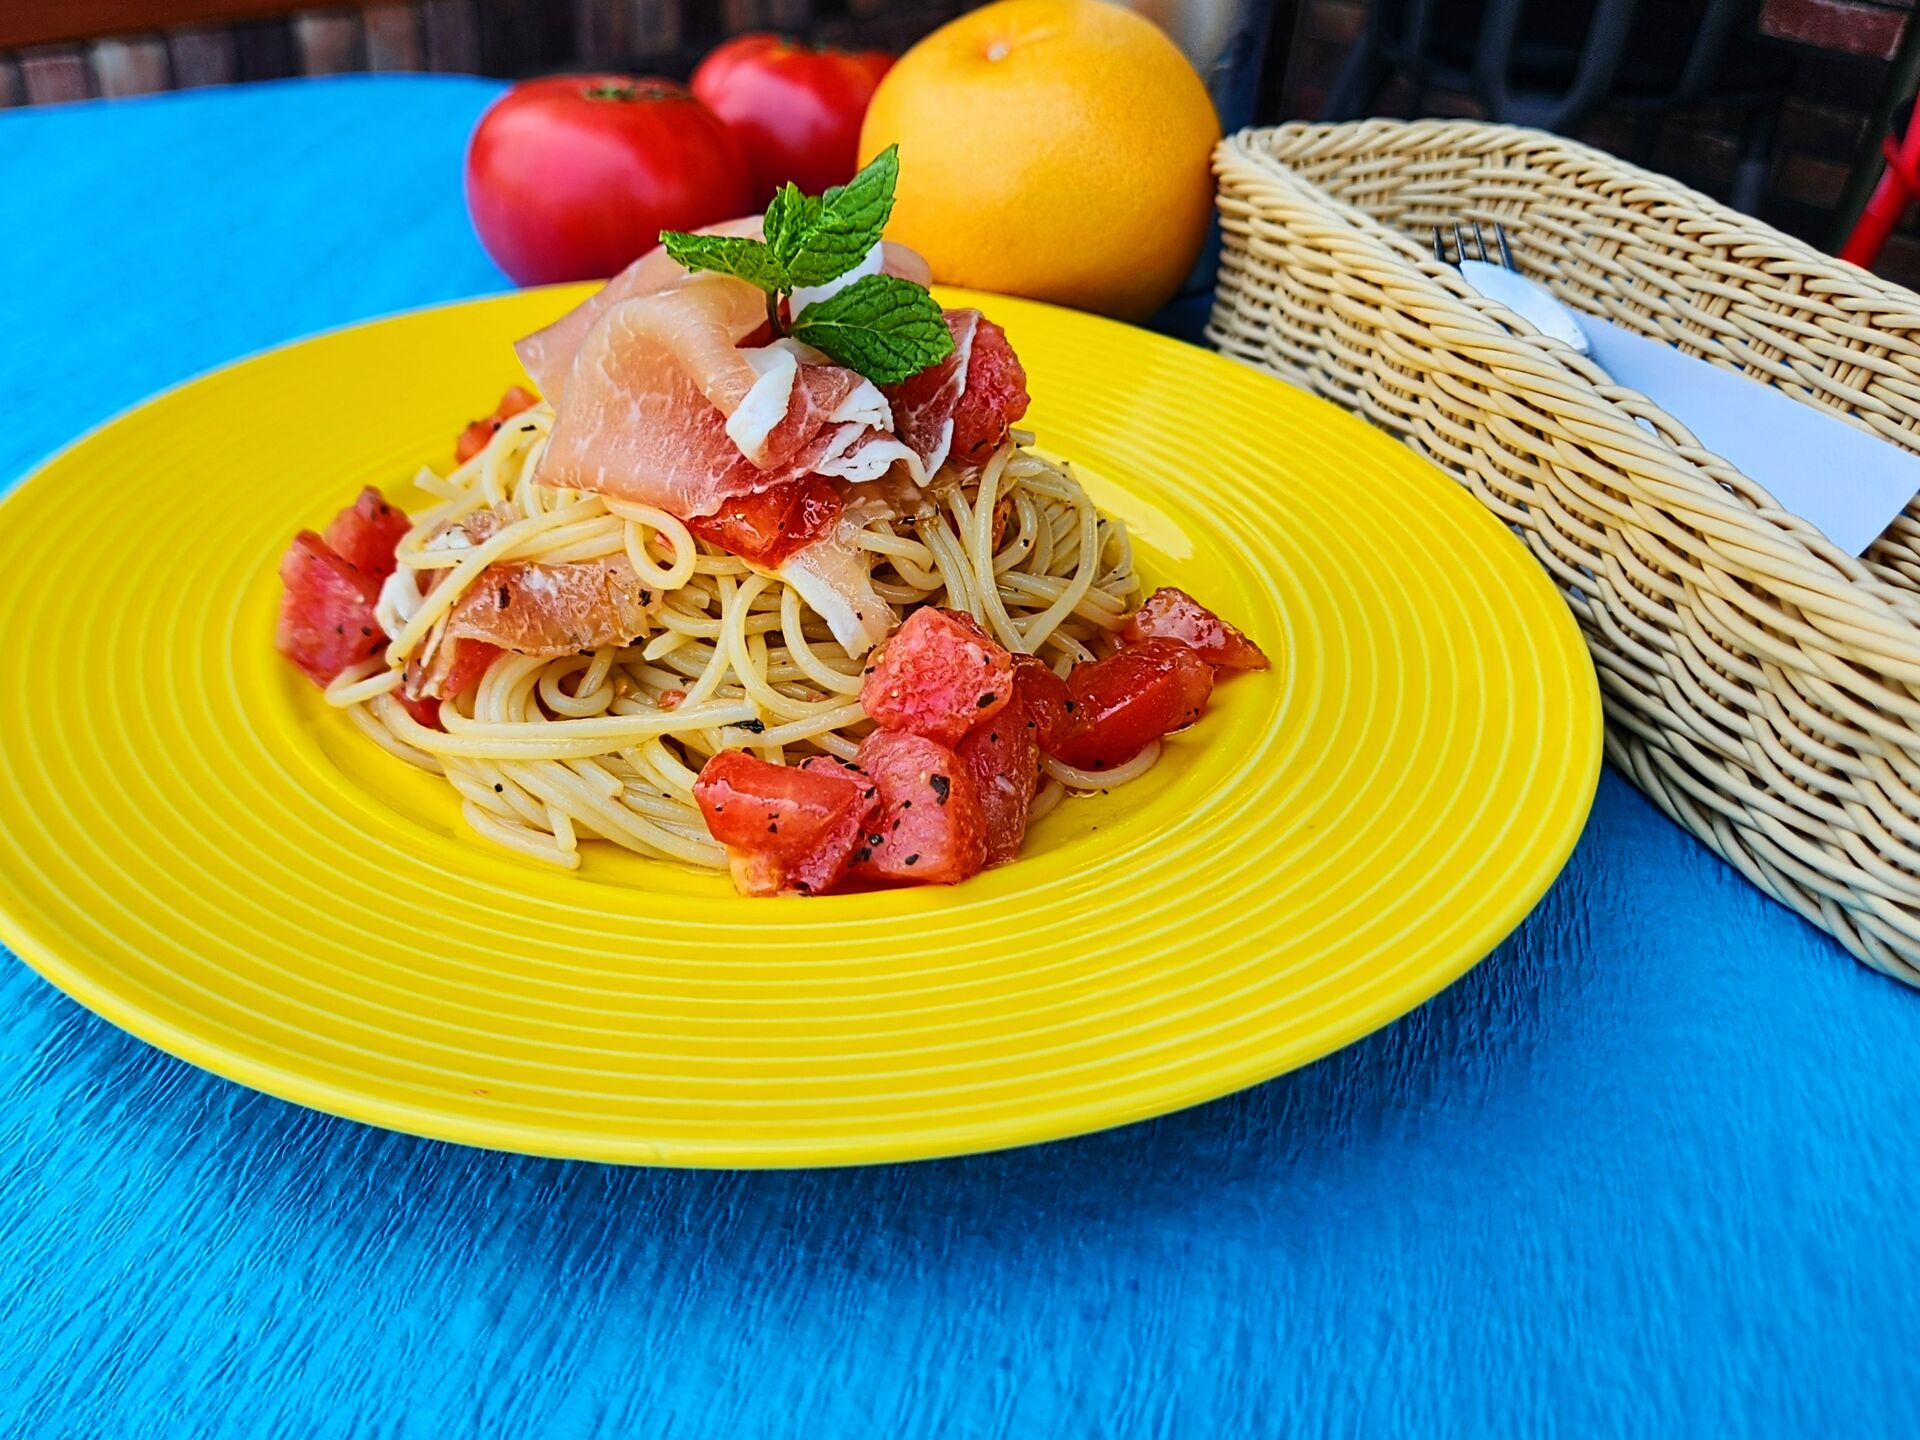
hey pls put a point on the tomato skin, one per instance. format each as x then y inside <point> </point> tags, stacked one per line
<point>938,675</point>
<point>574,176</point>
<point>1044,697</point>
<point>1002,758</point>
<point>996,396</point>
<point>788,829</point>
<point>1125,702</point>
<point>474,438</point>
<point>796,110</point>
<point>367,532</point>
<point>326,612</point>
<point>766,528</point>
<point>1175,615</point>
<point>929,829</point>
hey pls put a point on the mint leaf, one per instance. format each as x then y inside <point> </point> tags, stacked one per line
<point>790,214</point>
<point>844,225</point>
<point>882,326</point>
<point>751,260</point>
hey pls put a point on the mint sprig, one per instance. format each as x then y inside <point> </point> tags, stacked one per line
<point>880,325</point>
<point>883,327</point>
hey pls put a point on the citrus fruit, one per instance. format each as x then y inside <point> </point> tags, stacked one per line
<point>1058,149</point>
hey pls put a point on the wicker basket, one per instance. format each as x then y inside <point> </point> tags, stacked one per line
<point>1762,686</point>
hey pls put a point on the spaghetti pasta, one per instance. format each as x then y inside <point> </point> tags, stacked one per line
<point>548,752</point>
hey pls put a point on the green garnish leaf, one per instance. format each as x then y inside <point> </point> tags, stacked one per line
<point>790,215</point>
<point>844,226</point>
<point>884,327</point>
<point>738,255</point>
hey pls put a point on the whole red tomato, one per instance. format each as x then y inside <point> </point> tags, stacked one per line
<point>796,109</point>
<point>573,176</point>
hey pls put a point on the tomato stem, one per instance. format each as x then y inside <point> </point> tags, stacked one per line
<point>629,93</point>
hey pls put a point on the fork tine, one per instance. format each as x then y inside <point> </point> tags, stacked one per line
<point>1459,244</point>
<point>1439,246</point>
<point>1506,255</point>
<point>1480,239</point>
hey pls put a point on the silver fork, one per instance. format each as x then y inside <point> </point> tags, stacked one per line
<point>1505,261</point>
<point>1501,280</point>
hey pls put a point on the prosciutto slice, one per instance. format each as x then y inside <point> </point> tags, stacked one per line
<point>548,354</point>
<point>663,408</point>
<point>959,410</point>
<point>534,609</point>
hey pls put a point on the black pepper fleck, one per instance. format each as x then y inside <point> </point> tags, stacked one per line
<point>752,727</point>
<point>876,839</point>
<point>499,789</point>
<point>985,700</point>
<point>505,596</point>
<point>942,786</point>
<point>773,829</point>
<point>913,858</point>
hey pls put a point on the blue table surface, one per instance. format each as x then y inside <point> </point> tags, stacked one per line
<point>1648,1170</point>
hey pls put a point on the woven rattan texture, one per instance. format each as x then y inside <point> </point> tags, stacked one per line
<point>1761,686</point>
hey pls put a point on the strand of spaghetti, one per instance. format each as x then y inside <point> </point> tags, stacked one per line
<point>557,739</point>
<point>565,792</point>
<point>508,797</point>
<point>716,668</point>
<point>371,722</point>
<point>812,727</point>
<point>1026,527</point>
<point>472,562</point>
<point>733,640</point>
<point>1049,795</point>
<point>359,682</point>
<point>986,588</point>
<point>525,840</point>
<point>1076,779</point>
<point>1039,627</point>
<point>956,576</point>
<point>641,519</point>
<point>817,670</point>
<point>659,763</point>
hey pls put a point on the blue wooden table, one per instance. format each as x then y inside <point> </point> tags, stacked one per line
<point>1649,1170</point>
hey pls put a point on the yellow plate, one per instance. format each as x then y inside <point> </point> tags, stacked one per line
<point>193,846</point>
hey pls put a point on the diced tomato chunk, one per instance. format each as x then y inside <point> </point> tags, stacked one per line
<point>788,829</point>
<point>938,675</point>
<point>1044,696</point>
<point>766,528</point>
<point>1002,758</point>
<point>1125,702</point>
<point>424,709</point>
<point>367,532</point>
<point>995,397</point>
<point>326,614</point>
<point>929,829</point>
<point>475,437</point>
<point>1173,614</point>
<point>470,661</point>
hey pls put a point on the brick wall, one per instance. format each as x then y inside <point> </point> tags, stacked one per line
<point>1842,50</point>
<point>489,37</point>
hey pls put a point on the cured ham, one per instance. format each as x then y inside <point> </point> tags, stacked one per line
<point>548,354</point>
<point>958,411</point>
<point>534,609</point>
<point>664,408</point>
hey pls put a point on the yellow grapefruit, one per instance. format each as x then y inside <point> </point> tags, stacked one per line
<point>1058,149</point>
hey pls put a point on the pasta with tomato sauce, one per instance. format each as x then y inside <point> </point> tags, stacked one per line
<point>724,602</point>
